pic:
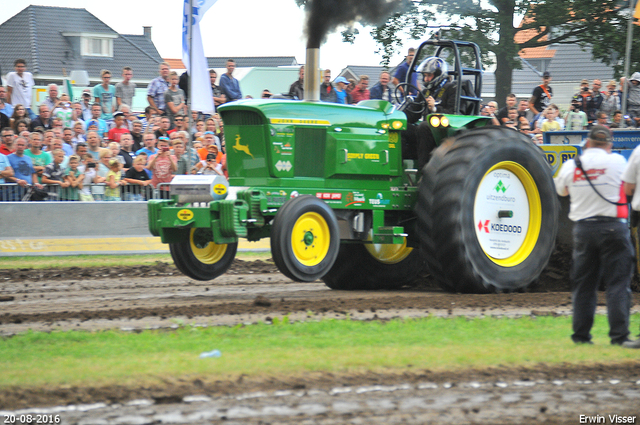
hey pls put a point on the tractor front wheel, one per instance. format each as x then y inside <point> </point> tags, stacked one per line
<point>305,239</point>
<point>200,258</point>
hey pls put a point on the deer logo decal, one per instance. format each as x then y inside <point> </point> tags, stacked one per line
<point>244,148</point>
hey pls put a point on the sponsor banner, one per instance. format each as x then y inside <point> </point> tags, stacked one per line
<point>557,155</point>
<point>501,214</point>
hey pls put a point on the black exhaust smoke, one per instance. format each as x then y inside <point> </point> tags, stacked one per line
<point>325,16</point>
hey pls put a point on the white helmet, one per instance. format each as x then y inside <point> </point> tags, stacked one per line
<point>436,66</point>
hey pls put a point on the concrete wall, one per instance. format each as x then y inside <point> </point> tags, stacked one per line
<point>74,228</point>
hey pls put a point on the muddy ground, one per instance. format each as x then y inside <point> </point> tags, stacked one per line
<point>149,297</point>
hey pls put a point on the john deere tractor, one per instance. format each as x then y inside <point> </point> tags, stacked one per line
<point>340,198</point>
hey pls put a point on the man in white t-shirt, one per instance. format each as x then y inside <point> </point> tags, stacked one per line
<point>20,86</point>
<point>602,249</point>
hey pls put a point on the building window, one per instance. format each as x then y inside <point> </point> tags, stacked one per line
<point>96,46</point>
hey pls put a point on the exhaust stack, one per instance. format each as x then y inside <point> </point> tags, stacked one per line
<point>311,84</point>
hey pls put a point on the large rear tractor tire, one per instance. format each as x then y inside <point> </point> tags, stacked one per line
<point>373,267</point>
<point>487,212</point>
<point>305,239</point>
<point>200,258</point>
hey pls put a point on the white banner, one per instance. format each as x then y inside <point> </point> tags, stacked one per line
<point>199,85</point>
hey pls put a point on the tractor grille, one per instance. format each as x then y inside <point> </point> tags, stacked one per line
<point>241,118</point>
<point>309,152</point>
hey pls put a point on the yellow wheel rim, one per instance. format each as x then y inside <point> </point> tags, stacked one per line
<point>205,251</point>
<point>310,239</point>
<point>388,253</point>
<point>507,187</point>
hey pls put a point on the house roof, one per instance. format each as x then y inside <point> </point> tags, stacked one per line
<point>175,63</point>
<point>532,52</point>
<point>572,63</point>
<point>253,61</point>
<point>355,71</point>
<point>36,34</point>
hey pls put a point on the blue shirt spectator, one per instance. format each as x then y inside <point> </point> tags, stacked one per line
<point>229,85</point>
<point>4,163</point>
<point>157,87</point>
<point>22,167</point>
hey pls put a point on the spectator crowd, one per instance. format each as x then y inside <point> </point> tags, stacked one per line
<point>96,149</point>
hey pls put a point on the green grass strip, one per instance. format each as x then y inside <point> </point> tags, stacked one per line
<point>438,344</point>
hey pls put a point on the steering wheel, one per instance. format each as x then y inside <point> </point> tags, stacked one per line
<point>414,104</point>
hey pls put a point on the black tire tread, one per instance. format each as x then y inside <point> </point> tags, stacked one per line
<point>190,266</point>
<point>356,269</point>
<point>442,233</point>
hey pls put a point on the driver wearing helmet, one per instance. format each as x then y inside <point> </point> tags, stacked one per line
<point>439,91</point>
<point>440,95</point>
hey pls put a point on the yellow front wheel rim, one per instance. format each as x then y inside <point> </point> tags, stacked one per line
<point>310,239</point>
<point>205,251</point>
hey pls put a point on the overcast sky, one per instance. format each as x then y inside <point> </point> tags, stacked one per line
<point>230,28</point>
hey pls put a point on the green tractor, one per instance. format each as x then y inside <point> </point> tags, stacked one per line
<point>341,200</point>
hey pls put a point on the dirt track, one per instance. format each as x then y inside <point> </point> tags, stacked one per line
<point>159,296</point>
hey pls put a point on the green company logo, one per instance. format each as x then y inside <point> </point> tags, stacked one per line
<point>501,187</point>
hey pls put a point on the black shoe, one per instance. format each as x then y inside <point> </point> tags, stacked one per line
<point>580,342</point>
<point>621,342</point>
<point>631,344</point>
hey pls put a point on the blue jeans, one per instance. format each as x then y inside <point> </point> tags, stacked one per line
<point>602,252</point>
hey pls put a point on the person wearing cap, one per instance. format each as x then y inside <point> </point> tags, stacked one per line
<point>602,249</point>
<point>341,91</point>
<point>86,105</point>
<point>583,96</point>
<point>208,138</point>
<point>211,164</point>
<point>541,96</point>
<point>119,129</point>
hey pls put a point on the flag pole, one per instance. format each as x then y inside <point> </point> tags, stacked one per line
<point>190,87</point>
<point>627,61</point>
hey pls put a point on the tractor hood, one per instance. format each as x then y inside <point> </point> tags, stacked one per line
<point>378,114</point>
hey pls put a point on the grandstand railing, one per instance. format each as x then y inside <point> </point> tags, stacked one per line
<point>95,192</point>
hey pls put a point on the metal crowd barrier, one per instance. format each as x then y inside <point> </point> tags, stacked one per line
<point>95,192</point>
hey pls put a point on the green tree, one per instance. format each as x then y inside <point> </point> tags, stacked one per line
<point>490,24</point>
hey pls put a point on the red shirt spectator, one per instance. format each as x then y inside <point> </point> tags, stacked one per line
<point>361,92</point>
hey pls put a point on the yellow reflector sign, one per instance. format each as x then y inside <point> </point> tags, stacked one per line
<point>220,189</point>
<point>185,215</point>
